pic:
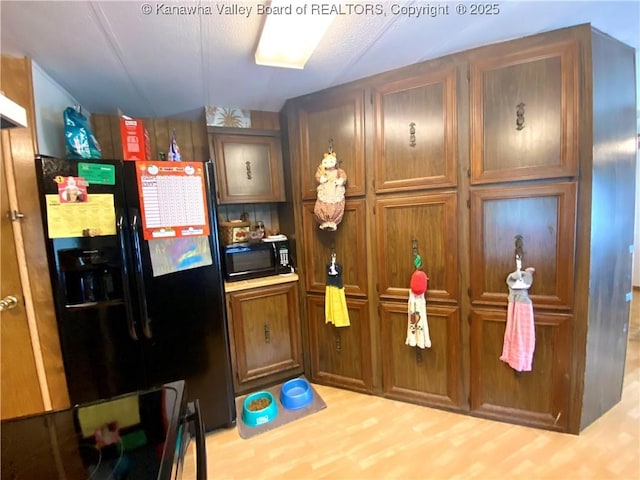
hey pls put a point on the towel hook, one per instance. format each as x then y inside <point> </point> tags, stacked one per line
<point>330,148</point>
<point>417,260</point>
<point>519,247</point>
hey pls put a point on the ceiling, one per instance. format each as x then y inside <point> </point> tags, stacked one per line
<point>109,55</point>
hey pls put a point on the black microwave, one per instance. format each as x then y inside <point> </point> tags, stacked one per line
<point>243,261</point>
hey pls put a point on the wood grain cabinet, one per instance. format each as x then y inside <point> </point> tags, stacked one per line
<point>264,330</point>
<point>333,121</point>
<point>534,137</point>
<point>416,141</point>
<point>430,375</point>
<point>248,167</point>
<point>539,398</point>
<point>341,356</point>
<point>524,112</point>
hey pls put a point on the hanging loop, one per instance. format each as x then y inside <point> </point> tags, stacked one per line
<point>519,247</point>
<point>330,147</point>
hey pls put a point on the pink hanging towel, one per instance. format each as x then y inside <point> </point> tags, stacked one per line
<point>519,336</point>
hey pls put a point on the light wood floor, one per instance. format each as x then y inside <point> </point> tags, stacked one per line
<point>367,437</point>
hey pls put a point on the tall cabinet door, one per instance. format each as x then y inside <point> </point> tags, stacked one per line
<point>524,113</point>
<point>333,122</point>
<point>430,220</point>
<point>544,216</point>
<point>340,356</point>
<point>430,375</point>
<point>415,134</point>
<point>538,398</point>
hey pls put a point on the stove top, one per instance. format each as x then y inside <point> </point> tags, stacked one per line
<point>134,436</point>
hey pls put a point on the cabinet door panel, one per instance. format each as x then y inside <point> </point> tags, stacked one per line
<point>265,330</point>
<point>431,220</point>
<point>524,110</point>
<point>336,119</point>
<point>545,217</point>
<point>340,356</point>
<point>248,168</point>
<point>539,398</point>
<point>430,376</point>
<point>349,244</point>
<point>416,133</point>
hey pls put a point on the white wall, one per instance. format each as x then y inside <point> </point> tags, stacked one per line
<point>50,101</point>
<point>636,242</point>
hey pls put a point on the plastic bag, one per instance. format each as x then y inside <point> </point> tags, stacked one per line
<point>80,143</point>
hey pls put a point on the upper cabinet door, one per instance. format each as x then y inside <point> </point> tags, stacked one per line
<point>248,168</point>
<point>333,121</point>
<point>415,138</point>
<point>524,113</point>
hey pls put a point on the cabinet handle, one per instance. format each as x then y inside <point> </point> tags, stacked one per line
<point>520,116</point>
<point>338,343</point>
<point>249,174</point>
<point>267,333</point>
<point>418,355</point>
<point>412,134</point>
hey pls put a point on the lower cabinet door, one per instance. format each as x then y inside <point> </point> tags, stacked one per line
<point>429,376</point>
<point>340,356</point>
<point>539,398</point>
<point>264,330</point>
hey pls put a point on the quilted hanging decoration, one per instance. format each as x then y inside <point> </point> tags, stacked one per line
<point>329,207</point>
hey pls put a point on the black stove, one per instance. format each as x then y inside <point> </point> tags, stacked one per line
<point>138,436</point>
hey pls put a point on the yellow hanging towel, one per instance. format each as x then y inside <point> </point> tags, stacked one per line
<point>335,303</point>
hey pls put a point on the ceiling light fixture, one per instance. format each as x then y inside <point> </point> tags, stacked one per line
<point>292,31</point>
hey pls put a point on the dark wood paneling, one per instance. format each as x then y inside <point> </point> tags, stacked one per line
<point>545,217</point>
<point>538,398</point>
<point>348,243</point>
<point>262,120</point>
<point>340,356</point>
<point>431,375</point>
<point>613,214</point>
<point>431,219</point>
<point>415,138</point>
<point>545,81</point>
<point>339,118</point>
<point>191,136</point>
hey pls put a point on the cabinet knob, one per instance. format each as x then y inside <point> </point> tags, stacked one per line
<point>520,116</point>
<point>8,302</point>
<point>267,333</point>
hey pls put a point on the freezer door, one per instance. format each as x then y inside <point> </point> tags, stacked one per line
<point>182,311</point>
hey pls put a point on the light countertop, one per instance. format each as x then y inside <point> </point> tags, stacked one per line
<point>230,287</point>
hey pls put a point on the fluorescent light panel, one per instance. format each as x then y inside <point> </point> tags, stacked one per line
<point>289,39</point>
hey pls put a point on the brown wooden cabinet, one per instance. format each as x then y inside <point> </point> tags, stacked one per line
<point>264,335</point>
<point>533,137</point>
<point>539,398</point>
<point>248,166</point>
<point>333,121</point>
<point>524,112</point>
<point>416,132</point>
<point>340,356</point>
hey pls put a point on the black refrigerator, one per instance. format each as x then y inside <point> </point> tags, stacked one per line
<point>135,270</point>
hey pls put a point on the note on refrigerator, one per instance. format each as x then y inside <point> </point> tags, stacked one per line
<point>91,218</point>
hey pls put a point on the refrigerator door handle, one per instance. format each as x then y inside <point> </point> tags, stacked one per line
<point>131,323</point>
<point>137,251</point>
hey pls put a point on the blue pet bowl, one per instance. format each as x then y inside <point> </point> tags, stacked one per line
<point>296,394</point>
<point>254,416</point>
